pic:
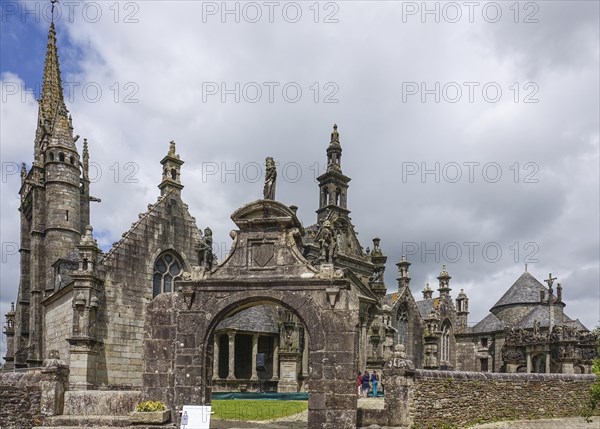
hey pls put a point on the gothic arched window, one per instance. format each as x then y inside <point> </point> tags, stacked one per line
<point>167,269</point>
<point>446,333</point>
<point>403,326</point>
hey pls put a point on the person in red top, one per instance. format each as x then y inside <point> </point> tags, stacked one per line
<point>360,377</point>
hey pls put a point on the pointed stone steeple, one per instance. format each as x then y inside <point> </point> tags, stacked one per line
<point>54,121</point>
<point>51,209</point>
<point>333,184</point>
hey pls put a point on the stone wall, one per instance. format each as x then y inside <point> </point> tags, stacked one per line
<point>59,323</point>
<point>129,266</point>
<point>28,397</point>
<point>463,398</point>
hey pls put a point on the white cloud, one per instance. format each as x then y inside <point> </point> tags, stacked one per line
<point>170,53</point>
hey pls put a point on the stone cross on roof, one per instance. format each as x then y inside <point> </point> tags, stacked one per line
<point>550,281</point>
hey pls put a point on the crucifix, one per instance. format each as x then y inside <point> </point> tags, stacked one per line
<point>550,281</point>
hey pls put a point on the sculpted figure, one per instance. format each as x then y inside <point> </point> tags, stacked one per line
<point>327,242</point>
<point>204,248</point>
<point>536,328</point>
<point>270,177</point>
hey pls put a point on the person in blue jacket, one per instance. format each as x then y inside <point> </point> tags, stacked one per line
<point>374,381</point>
<point>366,383</point>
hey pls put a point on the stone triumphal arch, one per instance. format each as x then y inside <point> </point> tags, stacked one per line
<point>265,266</point>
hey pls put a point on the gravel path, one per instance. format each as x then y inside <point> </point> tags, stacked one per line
<point>571,423</point>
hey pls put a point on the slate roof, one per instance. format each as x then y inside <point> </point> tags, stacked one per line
<point>526,290</point>
<point>576,324</point>
<point>425,306</point>
<point>489,324</point>
<point>390,299</point>
<point>261,318</point>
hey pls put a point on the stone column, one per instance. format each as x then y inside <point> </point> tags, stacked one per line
<point>362,355</point>
<point>254,353</point>
<point>399,373</point>
<point>216,358</point>
<point>231,373</point>
<point>305,355</point>
<point>548,363</point>
<point>276,360</point>
<point>528,362</point>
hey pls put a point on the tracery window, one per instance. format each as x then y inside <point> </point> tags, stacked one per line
<point>403,326</point>
<point>167,269</point>
<point>445,346</point>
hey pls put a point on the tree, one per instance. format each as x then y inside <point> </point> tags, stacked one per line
<point>594,400</point>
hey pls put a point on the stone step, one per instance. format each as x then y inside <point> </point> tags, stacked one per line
<point>100,402</point>
<point>89,421</point>
<point>170,426</point>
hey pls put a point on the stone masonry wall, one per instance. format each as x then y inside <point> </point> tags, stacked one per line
<point>455,399</point>
<point>27,397</point>
<point>129,266</point>
<point>58,324</point>
<point>20,397</point>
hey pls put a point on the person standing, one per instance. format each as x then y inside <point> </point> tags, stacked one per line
<point>374,382</point>
<point>365,383</point>
<point>360,379</point>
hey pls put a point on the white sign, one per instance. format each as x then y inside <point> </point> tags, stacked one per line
<point>195,417</point>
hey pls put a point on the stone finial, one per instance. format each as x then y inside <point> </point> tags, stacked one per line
<point>398,361</point>
<point>172,150</point>
<point>400,351</point>
<point>23,171</point>
<point>444,271</point>
<point>427,292</point>
<point>335,136</point>
<point>376,249</point>
<point>88,237</point>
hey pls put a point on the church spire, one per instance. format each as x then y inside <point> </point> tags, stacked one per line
<point>54,117</point>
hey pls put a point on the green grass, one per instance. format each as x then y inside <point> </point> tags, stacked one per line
<point>242,409</point>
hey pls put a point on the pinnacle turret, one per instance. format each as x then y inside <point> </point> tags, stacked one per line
<point>333,184</point>
<point>171,177</point>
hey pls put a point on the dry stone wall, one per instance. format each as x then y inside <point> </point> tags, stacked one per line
<point>28,397</point>
<point>455,398</point>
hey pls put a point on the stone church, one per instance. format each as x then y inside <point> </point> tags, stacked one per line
<point>88,308</point>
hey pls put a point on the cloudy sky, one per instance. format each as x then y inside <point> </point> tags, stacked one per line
<point>471,133</point>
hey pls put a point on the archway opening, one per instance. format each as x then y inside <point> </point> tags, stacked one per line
<point>538,363</point>
<point>259,351</point>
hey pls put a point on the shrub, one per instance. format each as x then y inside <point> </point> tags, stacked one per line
<point>149,406</point>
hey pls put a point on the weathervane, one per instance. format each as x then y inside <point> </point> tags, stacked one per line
<point>53,2</point>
